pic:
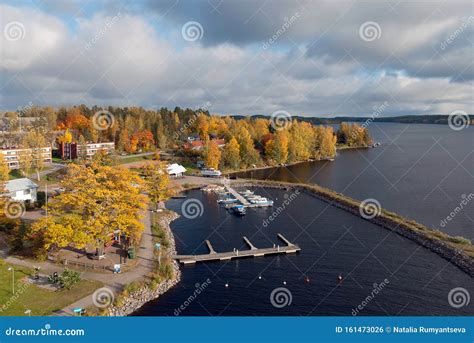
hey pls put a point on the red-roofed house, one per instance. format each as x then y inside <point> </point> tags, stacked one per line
<point>199,145</point>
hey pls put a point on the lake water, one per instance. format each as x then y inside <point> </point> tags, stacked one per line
<point>420,171</point>
<point>333,242</point>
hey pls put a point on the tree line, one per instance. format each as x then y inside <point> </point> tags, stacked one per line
<point>249,141</point>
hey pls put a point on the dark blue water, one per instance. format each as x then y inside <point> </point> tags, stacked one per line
<point>332,242</point>
<point>420,171</point>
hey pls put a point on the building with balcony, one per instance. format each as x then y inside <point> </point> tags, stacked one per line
<point>13,155</point>
<point>72,151</point>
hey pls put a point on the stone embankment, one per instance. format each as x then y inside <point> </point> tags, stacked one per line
<point>433,240</point>
<point>136,299</point>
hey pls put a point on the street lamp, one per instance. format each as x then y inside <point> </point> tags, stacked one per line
<point>13,278</point>
<point>28,312</point>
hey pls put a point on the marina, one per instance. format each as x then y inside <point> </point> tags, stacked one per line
<point>252,252</point>
<point>230,196</point>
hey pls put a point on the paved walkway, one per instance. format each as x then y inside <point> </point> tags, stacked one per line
<point>115,282</point>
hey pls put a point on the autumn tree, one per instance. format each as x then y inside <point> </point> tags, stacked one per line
<point>353,135</point>
<point>4,177</point>
<point>157,182</point>
<point>25,161</point>
<point>4,172</point>
<point>248,154</point>
<point>32,158</point>
<point>98,202</point>
<point>231,154</point>
<point>261,128</point>
<point>66,137</point>
<point>144,139</point>
<point>277,147</point>
<point>202,126</point>
<point>75,120</point>
<point>213,155</point>
<point>301,138</point>
<point>324,142</point>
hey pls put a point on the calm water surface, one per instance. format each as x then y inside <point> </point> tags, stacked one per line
<point>420,171</point>
<point>332,241</point>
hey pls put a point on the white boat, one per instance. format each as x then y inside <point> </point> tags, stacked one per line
<point>247,193</point>
<point>261,200</point>
<point>213,188</point>
<point>226,201</point>
<point>211,172</point>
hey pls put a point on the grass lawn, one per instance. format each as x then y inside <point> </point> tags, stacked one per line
<point>39,300</point>
<point>131,159</point>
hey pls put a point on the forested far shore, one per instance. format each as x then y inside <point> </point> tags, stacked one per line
<point>226,142</point>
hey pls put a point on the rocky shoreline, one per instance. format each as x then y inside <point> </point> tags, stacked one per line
<point>136,299</point>
<point>385,219</point>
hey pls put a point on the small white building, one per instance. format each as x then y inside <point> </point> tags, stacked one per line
<point>176,170</point>
<point>23,190</point>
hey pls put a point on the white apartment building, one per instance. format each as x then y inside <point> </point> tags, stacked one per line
<point>13,155</point>
<point>90,149</point>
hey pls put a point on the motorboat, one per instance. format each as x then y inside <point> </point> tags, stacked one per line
<point>238,210</point>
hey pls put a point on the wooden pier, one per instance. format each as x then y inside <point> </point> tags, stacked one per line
<point>252,252</point>
<point>238,196</point>
<point>242,199</point>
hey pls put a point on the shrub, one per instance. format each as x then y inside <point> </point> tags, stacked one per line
<point>459,240</point>
<point>166,271</point>
<point>132,287</point>
<point>69,278</point>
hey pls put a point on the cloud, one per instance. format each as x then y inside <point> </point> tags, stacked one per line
<point>316,65</point>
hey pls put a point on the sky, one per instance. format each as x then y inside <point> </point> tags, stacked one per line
<point>307,58</point>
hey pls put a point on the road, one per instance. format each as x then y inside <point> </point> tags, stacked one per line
<point>115,282</point>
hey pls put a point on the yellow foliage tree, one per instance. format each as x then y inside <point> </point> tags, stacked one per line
<point>66,137</point>
<point>232,153</point>
<point>4,176</point>
<point>277,147</point>
<point>157,182</point>
<point>213,155</point>
<point>98,202</point>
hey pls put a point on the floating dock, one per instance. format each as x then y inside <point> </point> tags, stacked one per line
<point>253,252</point>
<point>243,200</point>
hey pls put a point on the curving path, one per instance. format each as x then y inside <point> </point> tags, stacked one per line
<point>115,282</point>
